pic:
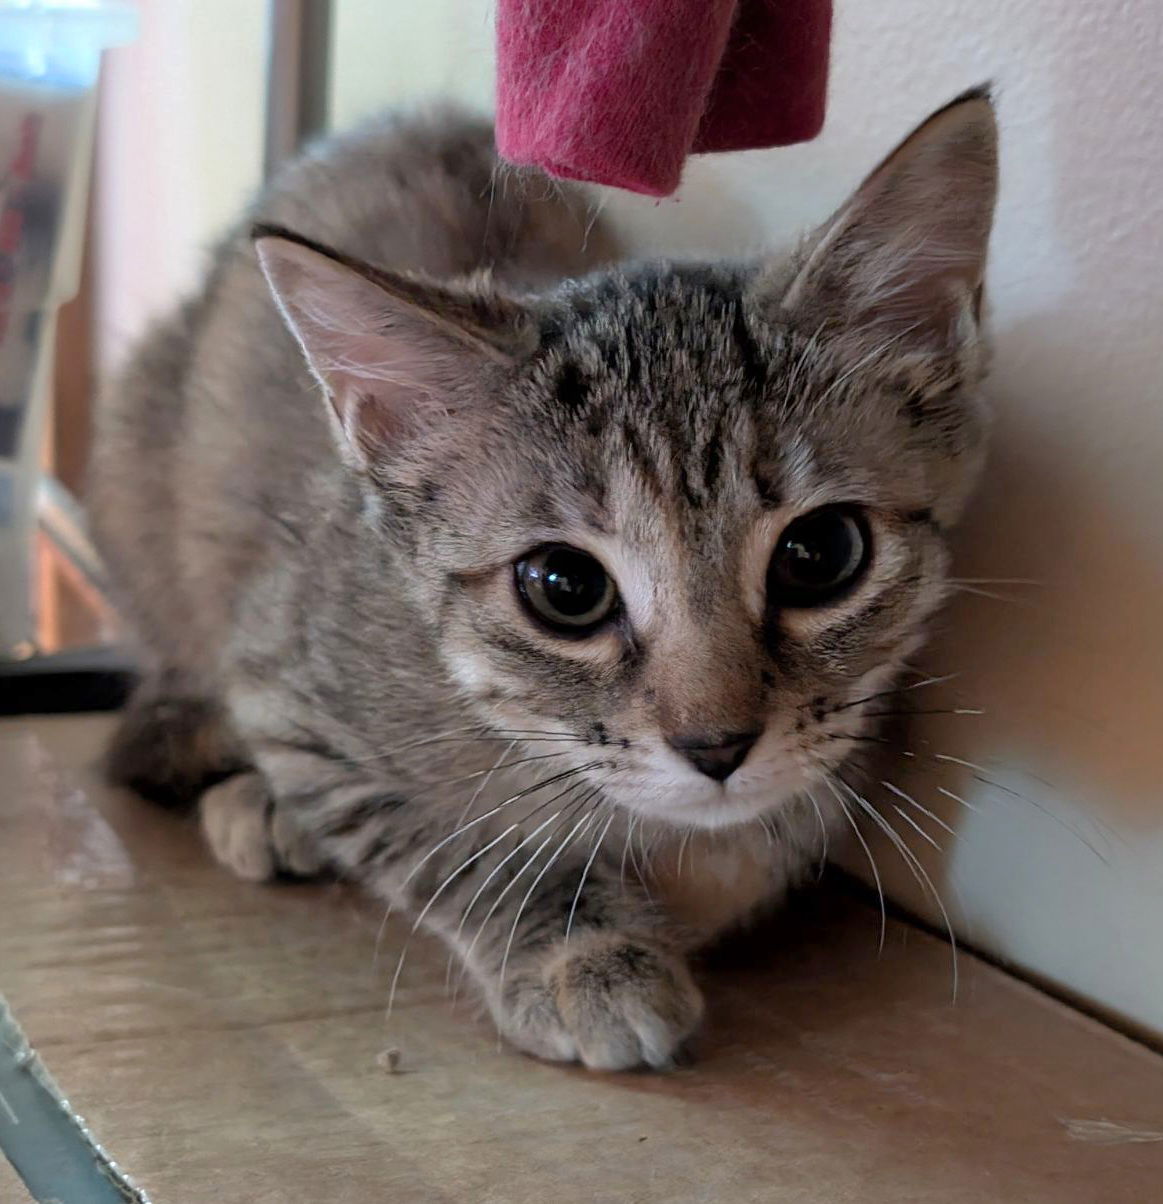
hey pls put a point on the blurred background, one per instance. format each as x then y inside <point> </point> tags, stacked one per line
<point>1044,833</point>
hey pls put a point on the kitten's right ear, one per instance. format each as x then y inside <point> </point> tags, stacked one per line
<point>391,351</point>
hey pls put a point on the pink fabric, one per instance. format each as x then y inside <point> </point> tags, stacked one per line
<point>621,91</point>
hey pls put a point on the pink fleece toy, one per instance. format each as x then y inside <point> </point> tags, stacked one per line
<point>621,91</point>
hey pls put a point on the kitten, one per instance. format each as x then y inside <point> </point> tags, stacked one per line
<point>554,606</point>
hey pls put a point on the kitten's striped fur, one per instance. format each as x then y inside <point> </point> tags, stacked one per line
<point>323,586</point>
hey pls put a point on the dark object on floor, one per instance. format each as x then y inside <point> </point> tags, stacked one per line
<point>83,679</point>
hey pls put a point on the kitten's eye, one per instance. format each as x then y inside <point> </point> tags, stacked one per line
<point>818,556</point>
<point>566,589</point>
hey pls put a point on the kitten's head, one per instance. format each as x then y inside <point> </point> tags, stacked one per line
<point>694,515</point>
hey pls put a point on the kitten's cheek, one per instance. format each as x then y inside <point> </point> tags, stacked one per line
<point>471,674</point>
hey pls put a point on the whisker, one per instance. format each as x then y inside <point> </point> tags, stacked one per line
<point>464,827</point>
<point>522,843</point>
<point>928,681</point>
<point>823,833</point>
<point>908,798</point>
<point>646,843</point>
<point>871,860</point>
<point>979,776</point>
<point>495,871</point>
<point>533,733</point>
<point>625,854</point>
<point>585,874</point>
<point>551,781</point>
<point>979,773</point>
<point>916,827</point>
<point>487,773</point>
<point>454,733</point>
<point>428,907</point>
<point>913,862</point>
<point>595,212</point>
<point>465,957</point>
<point>475,734</point>
<point>566,841</point>
<point>958,799</point>
<point>768,831</point>
<point>499,736</point>
<point>994,581</point>
<point>933,711</point>
<point>682,849</point>
<point>483,784</point>
<point>985,593</point>
<point>639,870</point>
<point>568,811</point>
<point>858,737</point>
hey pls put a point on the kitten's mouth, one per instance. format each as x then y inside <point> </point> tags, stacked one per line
<point>709,805</point>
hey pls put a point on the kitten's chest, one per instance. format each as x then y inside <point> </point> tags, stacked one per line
<point>713,882</point>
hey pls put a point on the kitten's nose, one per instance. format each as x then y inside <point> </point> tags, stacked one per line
<point>718,759</point>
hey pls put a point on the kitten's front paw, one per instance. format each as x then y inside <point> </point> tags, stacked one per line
<point>249,835</point>
<point>610,1002</point>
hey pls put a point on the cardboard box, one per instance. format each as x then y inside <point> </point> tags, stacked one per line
<point>223,1040</point>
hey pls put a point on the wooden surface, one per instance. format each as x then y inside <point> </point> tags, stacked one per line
<point>222,1041</point>
<point>11,1189</point>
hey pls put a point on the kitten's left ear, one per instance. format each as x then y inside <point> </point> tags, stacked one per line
<point>904,258</point>
<point>392,352</point>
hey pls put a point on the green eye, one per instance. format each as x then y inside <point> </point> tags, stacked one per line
<point>818,556</point>
<point>566,589</point>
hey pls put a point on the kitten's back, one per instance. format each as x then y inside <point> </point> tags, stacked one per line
<point>207,445</point>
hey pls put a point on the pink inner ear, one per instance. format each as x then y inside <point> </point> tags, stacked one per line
<point>907,253</point>
<point>378,367</point>
<point>384,389</point>
<point>391,353</point>
<point>371,425</point>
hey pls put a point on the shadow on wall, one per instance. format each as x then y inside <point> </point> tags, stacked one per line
<point>1070,670</point>
<point>1051,801</point>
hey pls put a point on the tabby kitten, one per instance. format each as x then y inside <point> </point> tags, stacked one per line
<point>552,605</point>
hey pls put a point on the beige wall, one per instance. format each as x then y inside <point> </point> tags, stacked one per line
<point>179,151</point>
<point>396,53</point>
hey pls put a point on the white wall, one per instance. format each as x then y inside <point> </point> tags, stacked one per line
<point>1071,673</point>
<point>179,150</point>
